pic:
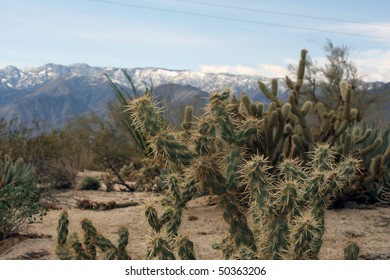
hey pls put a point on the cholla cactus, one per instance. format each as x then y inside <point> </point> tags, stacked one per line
<point>289,210</point>
<point>63,250</point>
<point>89,237</point>
<point>159,248</point>
<point>237,147</point>
<point>371,143</point>
<point>187,122</point>
<point>69,246</point>
<point>351,252</point>
<point>146,115</point>
<point>288,202</point>
<point>186,249</point>
<point>122,244</point>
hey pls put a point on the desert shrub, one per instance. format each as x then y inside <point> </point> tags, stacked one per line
<point>87,142</point>
<point>90,183</point>
<point>101,141</point>
<point>56,173</point>
<point>53,154</point>
<point>19,199</point>
<point>145,174</point>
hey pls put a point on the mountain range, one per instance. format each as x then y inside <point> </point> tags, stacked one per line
<point>57,93</point>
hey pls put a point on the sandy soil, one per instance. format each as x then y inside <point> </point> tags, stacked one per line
<point>369,228</point>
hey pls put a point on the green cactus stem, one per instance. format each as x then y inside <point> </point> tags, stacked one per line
<point>63,250</point>
<point>234,216</point>
<point>152,218</point>
<point>351,252</point>
<point>188,117</point>
<point>62,229</point>
<point>225,247</point>
<point>80,253</point>
<point>244,99</point>
<point>186,249</point>
<point>277,238</point>
<point>89,237</point>
<point>122,243</point>
<point>159,249</point>
<point>145,115</point>
<point>371,148</point>
<point>305,237</point>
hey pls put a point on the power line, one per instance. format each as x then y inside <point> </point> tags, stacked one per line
<point>279,13</point>
<point>240,20</point>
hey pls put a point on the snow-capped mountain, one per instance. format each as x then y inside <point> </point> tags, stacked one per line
<point>14,78</point>
<point>57,93</point>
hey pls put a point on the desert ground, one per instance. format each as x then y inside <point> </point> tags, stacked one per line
<point>369,227</point>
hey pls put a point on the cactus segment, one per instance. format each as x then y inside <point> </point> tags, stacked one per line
<point>351,252</point>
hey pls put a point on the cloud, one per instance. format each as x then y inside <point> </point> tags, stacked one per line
<point>273,70</point>
<point>266,70</point>
<point>373,65</point>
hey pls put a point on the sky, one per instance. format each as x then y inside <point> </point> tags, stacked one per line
<point>238,37</point>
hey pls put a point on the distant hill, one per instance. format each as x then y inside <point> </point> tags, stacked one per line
<point>57,93</point>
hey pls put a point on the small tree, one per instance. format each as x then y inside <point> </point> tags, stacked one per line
<point>322,83</point>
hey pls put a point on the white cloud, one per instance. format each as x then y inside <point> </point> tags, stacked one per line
<point>266,70</point>
<point>373,64</point>
<point>273,70</point>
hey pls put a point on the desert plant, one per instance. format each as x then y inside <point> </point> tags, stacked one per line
<point>370,142</point>
<point>85,142</point>
<point>287,132</point>
<point>286,174</point>
<point>124,97</point>
<point>19,199</point>
<point>351,252</point>
<point>289,208</point>
<point>52,153</point>
<point>70,247</point>
<point>90,183</point>
<point>145,174</point>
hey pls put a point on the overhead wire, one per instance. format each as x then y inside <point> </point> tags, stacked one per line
<point>240,20</point>
<point>256,10</point>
